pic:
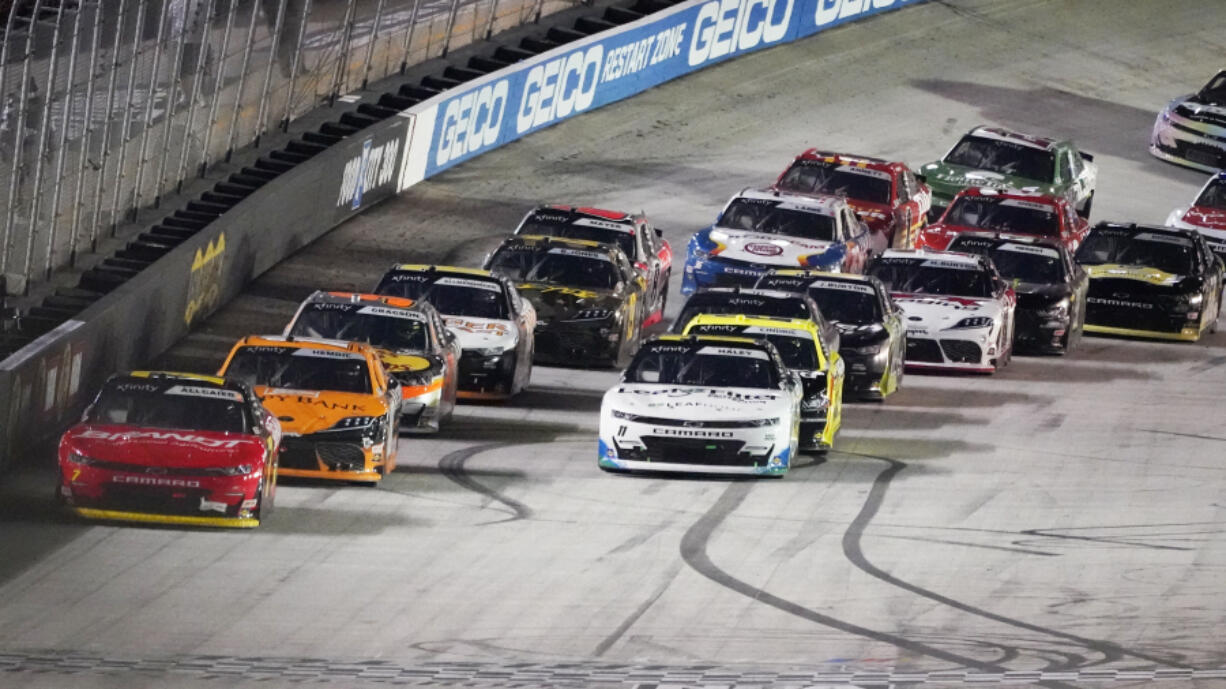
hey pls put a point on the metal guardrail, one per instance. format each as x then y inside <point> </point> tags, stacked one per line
<point>108,106</point>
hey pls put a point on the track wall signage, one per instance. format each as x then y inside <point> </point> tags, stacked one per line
<point>553,86</point>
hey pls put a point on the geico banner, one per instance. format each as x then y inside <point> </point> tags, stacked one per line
<point>587,74</point>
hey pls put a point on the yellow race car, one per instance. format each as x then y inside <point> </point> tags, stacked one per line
<point>337,405</point>
<point>803,350</point>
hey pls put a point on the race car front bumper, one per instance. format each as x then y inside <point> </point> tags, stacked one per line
<point>757,450</point>
<point>1186,142</point>
<point>421,405</point>
<point>161,498</point>
<point>949,354</point>
<point>577,343</point>
<point>717,272</point>
<point>1132,314</point>
<point>326,457</point>
<point>1035,331</point>
<point>486,376</point>
<point>866,368</point>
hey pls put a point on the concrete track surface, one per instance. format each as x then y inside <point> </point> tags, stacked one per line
<point>1062,522</point>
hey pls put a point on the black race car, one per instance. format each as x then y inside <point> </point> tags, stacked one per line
<point>756,302</point>
<point>643,244</point>
<point>870,324</point>
<point>589,300</point>
<point>1050,286</point>
<point>1191,130</point>
<point>1146,281</point>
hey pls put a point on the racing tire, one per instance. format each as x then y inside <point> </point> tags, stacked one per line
<point>1084,211</point>
<point>664,294</point>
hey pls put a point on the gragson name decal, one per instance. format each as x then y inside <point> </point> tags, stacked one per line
<point>161,435</point>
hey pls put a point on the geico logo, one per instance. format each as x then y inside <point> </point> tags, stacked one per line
<point>725,26</point>
<point>560,87</point>
<point>833,10</point>
<point>472,121</point>
<point>155,481</point>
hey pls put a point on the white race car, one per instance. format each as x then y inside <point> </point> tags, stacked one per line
<point>495,326</point>
<point>724,405</point>
<point>958,312</point>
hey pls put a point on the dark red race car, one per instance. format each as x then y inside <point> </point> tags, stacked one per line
<point>1016,213</point>
<point>171,448</point>
<point>633,233</point>
<point>887,196</point>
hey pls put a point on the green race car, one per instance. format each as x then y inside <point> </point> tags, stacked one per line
<point>999,159</point>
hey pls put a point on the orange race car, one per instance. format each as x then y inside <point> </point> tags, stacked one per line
<point>337,405</point>
<point>414,344</point>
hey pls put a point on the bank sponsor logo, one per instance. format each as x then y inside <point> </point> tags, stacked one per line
<point>373,170</point>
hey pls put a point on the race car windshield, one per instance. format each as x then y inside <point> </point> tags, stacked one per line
<point>624,240</point>
<point>1003,216</point>
<point>799,353</point>
<point>814,177</point>
<point>1003,157</point>
<point>729,304</point>
<point>453,299</point>
<point>556,269</point>
<point>284,368</point>
<point>678,365</point>
<point>846,306</point>
<point>770,217</point>
<point>1215,90</point>
<point>157,409</point>
<point>1213,196</point>
<point>915,278</point>
<point>1028,267</point>
<point>384,332</point>
<point>1170,255</point>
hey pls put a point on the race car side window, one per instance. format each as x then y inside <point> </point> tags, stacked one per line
<point>904,190</point>
<point>1065,172</point>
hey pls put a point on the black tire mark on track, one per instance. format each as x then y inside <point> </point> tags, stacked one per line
<point>852,549</point>
<point>694,553</point>
<point>451,465</point>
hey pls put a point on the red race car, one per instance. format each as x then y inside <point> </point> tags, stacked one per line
<point>886,196</point>
<point>643,244</point>
<point>171,448</point>
<point>1206,215</point>
<point>1010,212</point>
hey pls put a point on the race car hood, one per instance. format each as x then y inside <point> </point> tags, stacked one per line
<point>1152,276</point>
<point>769,249</point>
<point>404,361</point>
<point>1037,295</point>
<point>692,402</point>
<point>163,447</point>
<point>1201,110</point>
<point>937,312</point>
<point>860,335</point>
<point>309,411</point>
<point>947,179</point>
<point>482,333</point>
<point>1206,218</point>
<point>556,303</point>
<point>875,215</point>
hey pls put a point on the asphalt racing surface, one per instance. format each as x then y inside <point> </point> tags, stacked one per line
<point>1062,522</point>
